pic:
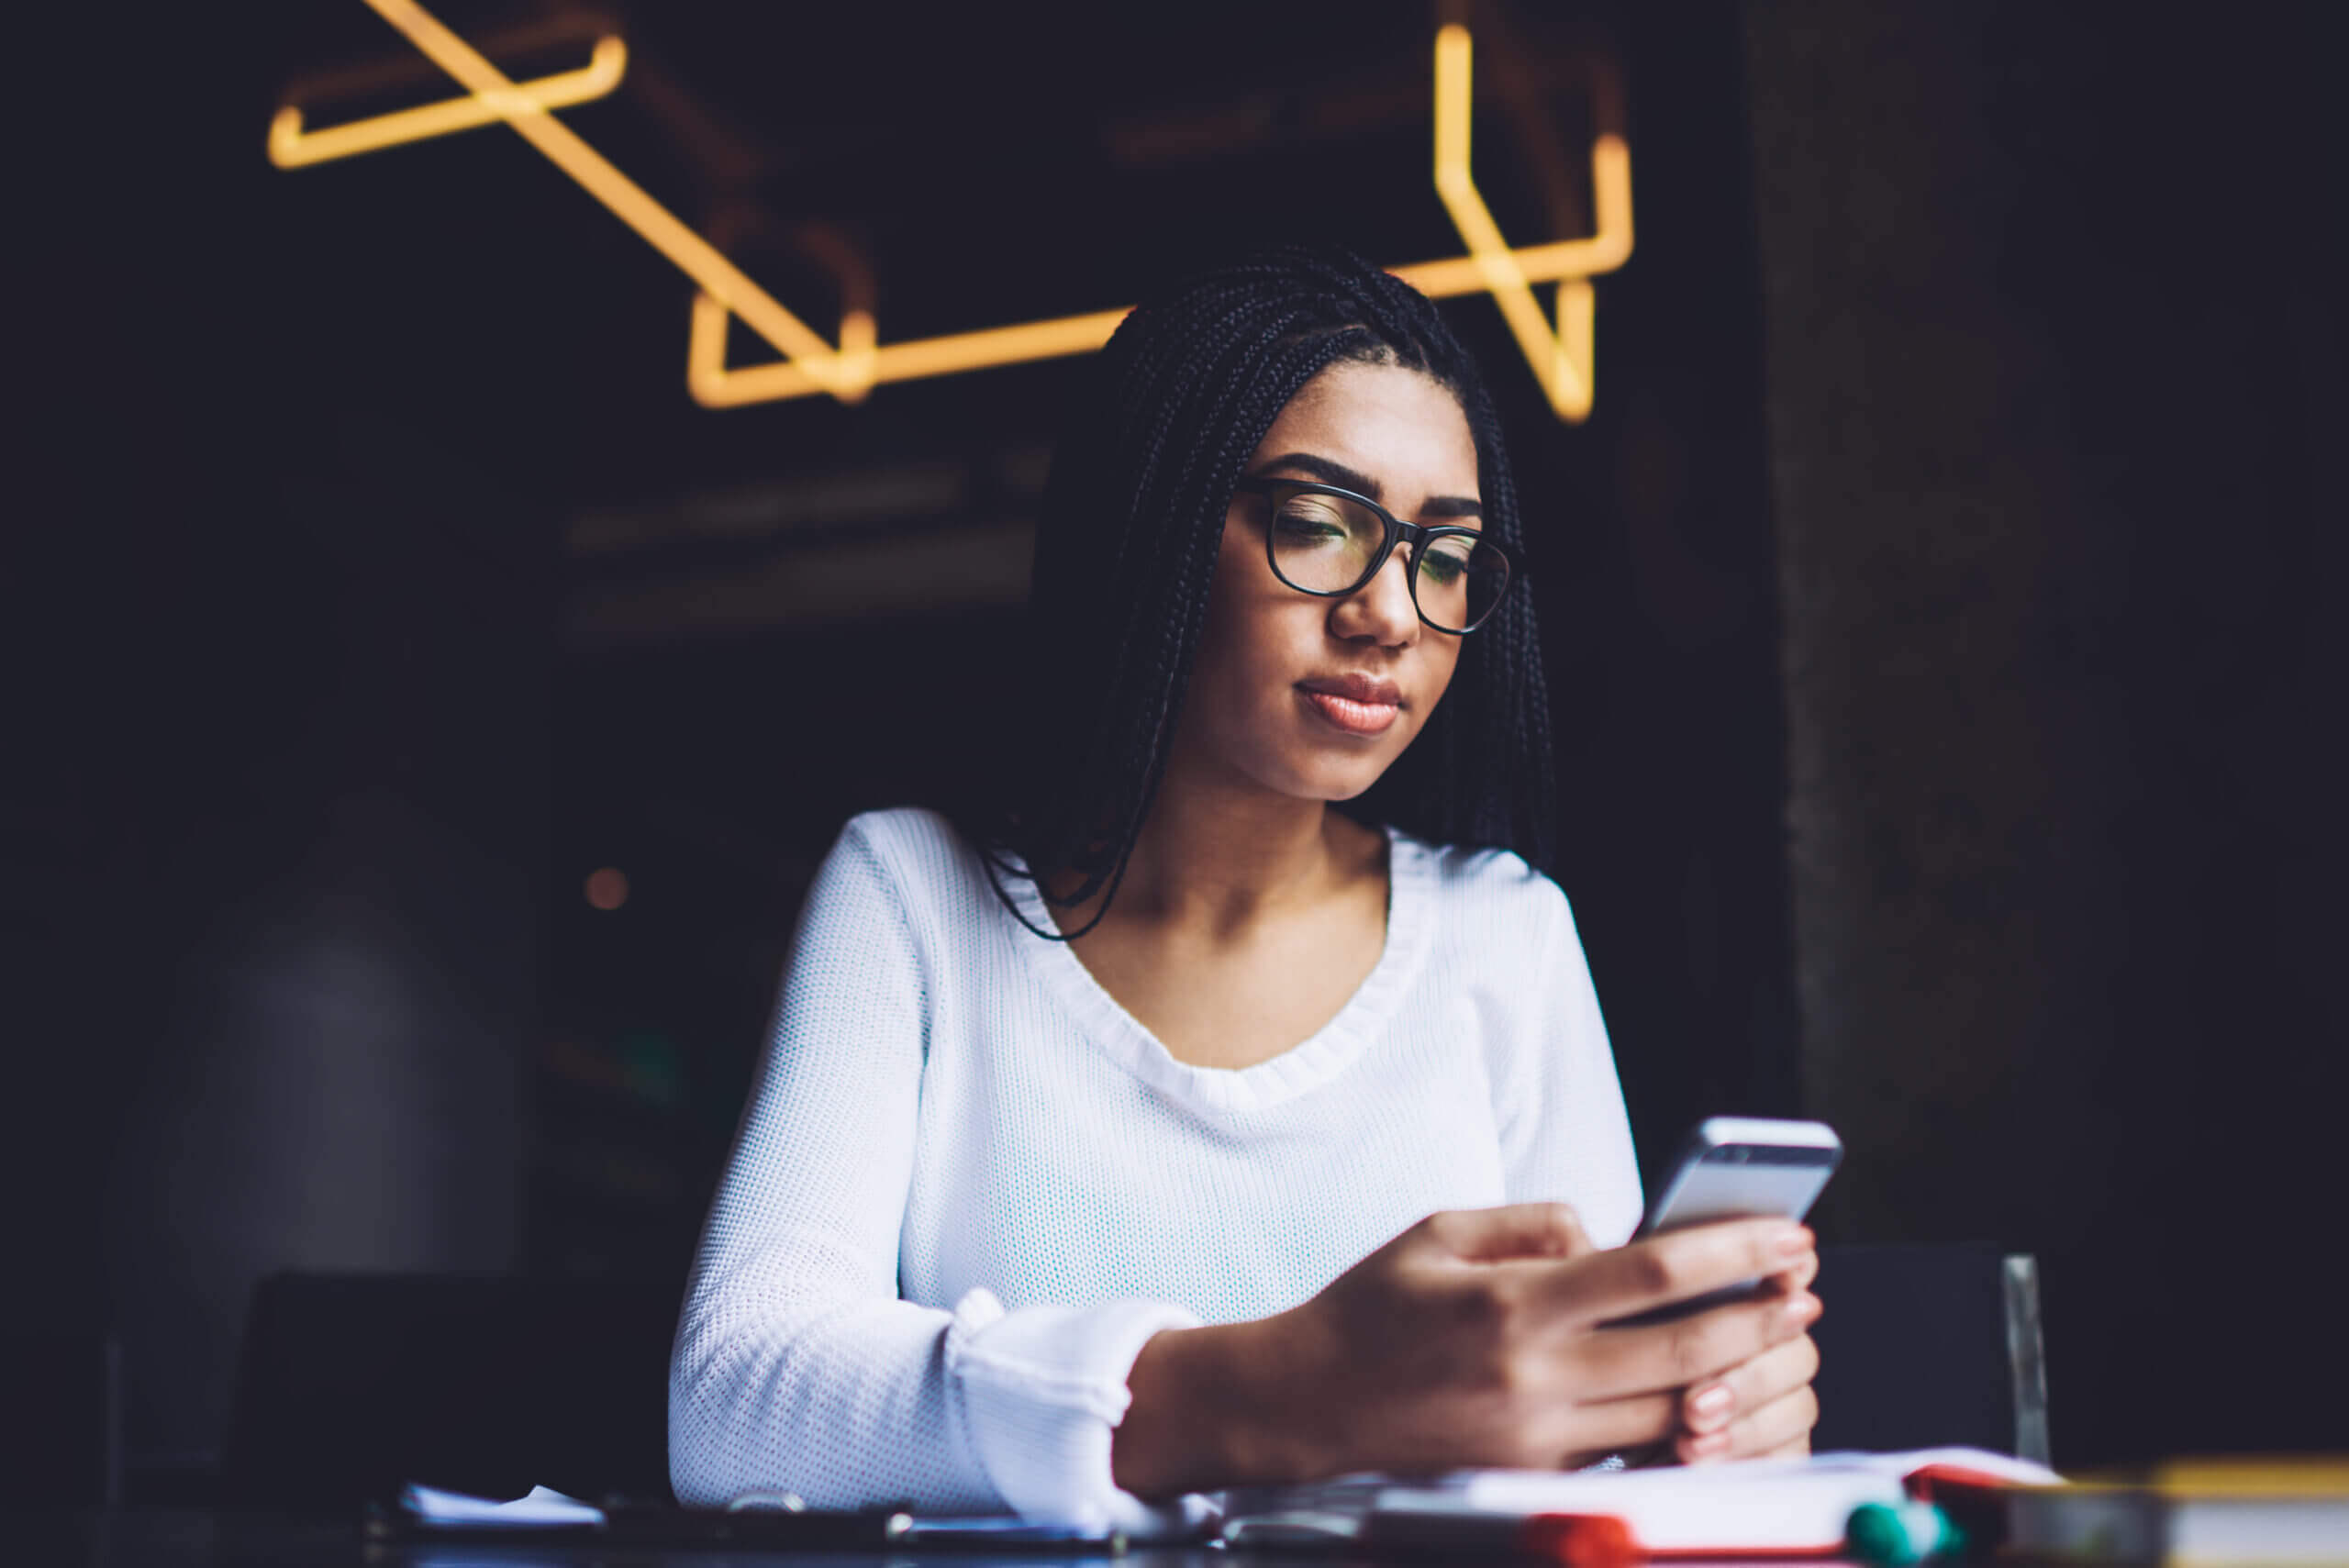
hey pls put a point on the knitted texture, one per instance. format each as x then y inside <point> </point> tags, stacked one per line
<point>969,1187</point>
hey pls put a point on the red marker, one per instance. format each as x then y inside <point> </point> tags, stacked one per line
<point>1575,1541</point>
<point>1579,1540</point>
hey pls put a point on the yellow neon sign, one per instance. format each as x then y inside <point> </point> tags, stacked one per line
<point>714,386</point>
<point>1562,359</point>
<point>1562,362</point>
<point>292,147</point>
<point>661,228</point>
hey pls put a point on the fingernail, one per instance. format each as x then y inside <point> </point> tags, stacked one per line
<point>1801,1309</point>
<point>1710,1443</point>
<point>1795,1243</point>
<point>1709,1405</point>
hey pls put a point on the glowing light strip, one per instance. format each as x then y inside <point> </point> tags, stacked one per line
<point>1562,361</point>
<point>291,147</point>
<point>714,386</point>
<point>1610,183</point>
<point>688,252</point>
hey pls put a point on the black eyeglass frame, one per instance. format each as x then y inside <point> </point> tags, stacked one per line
<point>1398,531</point>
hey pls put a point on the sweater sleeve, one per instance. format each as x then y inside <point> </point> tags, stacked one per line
<point>1564,1132</point>
<point>797,1367</point>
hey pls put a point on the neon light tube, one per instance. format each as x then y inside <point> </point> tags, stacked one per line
<point>291,147</point>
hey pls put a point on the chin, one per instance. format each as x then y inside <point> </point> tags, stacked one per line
<point>1333,784</point>
<point>1307,766</point>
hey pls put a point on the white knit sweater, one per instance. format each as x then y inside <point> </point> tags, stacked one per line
<point>969,1187</point>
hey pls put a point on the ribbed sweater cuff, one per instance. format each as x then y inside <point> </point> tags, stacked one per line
<point>1041,1389</point>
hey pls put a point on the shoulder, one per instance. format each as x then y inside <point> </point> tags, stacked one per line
<point>915,849</point>
<point>901,836</point>
<point>1487,912</point>
<point>912,858</point>
<point>1486,887</point>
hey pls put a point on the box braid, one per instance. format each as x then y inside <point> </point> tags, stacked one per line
<point>1125,545</point>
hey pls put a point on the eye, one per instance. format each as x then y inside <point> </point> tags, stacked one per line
<point>1308,520</point>
<point>1446,562</point>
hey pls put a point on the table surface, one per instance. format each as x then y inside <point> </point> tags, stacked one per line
<point>198,1538</point>
<point>181,1538</point>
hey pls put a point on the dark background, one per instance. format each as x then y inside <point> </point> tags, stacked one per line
<point>1942,608</point>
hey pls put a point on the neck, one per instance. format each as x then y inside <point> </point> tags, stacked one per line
<point>1219,853</point>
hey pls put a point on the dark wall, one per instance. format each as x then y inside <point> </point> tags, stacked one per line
<point>276,772</point>
<point>330,1071</point>
<point>1655,584</point>
<point>2055,394</point>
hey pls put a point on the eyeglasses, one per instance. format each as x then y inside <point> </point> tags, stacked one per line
<point>1330,542</point>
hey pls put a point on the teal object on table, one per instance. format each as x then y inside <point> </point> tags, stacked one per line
<point>1893,1536</point>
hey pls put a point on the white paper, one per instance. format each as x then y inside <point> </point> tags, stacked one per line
<point>539,1506</point>
<point>1797,1504</point>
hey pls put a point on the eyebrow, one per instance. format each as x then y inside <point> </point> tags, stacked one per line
<point>1330,471</point>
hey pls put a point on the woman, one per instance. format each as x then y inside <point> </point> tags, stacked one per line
<point>1165,1128</point>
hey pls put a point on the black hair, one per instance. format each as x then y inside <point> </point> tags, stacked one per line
<point>1126,546</point>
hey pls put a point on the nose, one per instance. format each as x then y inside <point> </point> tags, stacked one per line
<point>1380,610</point>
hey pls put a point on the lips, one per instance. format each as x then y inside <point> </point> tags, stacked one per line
<point>1356,704</point>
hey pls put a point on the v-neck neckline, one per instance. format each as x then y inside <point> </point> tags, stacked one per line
<point>1308,1064</point>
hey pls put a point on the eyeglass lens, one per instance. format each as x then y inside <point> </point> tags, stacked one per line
<point>1324,544</point>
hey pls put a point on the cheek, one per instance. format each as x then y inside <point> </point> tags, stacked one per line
<point>1254,647</point>
<point>1254,628</point>
<point>1259,637</point>
<point>1442,656</point>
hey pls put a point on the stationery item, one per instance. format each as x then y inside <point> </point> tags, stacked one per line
<point>1580,1540</point>
<point>987,1531</point>
<point>1792,1506</point>
<point>1896,1535</point>
<point>773,1521</point>
<point>542,1506</point>
<point>2192,1514</point>
<point>1576,1541</point>
<point>428,1514</point>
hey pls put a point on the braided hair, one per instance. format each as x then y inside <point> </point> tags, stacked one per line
<point>1125,545</point>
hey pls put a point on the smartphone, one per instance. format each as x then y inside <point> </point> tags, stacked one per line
<point>1735,1167</point>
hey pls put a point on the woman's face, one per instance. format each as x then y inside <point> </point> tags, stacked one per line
<point>1316,697</point>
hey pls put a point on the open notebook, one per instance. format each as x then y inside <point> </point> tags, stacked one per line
<point>1786,1505</point>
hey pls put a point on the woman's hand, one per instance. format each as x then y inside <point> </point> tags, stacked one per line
<point>1472,1339</point>
<point>1764,1409</point>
